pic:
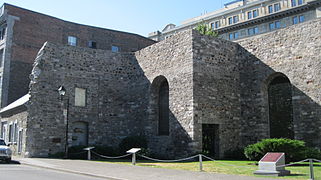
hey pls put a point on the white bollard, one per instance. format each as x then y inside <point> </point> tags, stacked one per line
<point>89,155</point>
<point>88,149</point>
<point>134,159</point>
<point>311,169</point>
<point>201,162</point>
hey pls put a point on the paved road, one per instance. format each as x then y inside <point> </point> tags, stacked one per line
<point>19,172</point>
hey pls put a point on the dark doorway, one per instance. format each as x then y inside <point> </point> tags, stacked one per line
<point>210,139</point>
<point>280,108</point>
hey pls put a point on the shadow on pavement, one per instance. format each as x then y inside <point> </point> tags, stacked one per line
<point>11,162</point>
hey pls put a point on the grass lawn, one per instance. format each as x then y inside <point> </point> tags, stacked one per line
<point>245,168</point>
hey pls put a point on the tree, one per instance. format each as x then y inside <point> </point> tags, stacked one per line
<point>205,29</point>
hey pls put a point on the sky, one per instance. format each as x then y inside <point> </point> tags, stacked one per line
<point>135,16</point>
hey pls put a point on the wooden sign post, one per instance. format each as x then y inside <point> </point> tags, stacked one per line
<point>272,164</point>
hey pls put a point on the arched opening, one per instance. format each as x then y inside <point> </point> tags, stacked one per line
<point>160,97</point>
<point>280,107</point>
<point>80,133</point>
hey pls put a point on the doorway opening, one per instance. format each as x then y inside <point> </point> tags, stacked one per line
<point>210,139</point>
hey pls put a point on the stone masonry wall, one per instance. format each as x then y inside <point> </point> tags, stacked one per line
<point>113,107</point>
<point>294,52</point>
<point>172,59</point>
<point>17,116</point>
<point>216,90</point>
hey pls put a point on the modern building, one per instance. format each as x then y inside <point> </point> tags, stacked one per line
<point>186,94</point>
<point>244,18</point>
<point>23,33</point>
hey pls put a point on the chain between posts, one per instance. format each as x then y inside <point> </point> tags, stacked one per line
<point>110,157</point>
<point>160,160</point>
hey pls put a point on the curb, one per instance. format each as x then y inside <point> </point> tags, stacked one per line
<point>71,171</point>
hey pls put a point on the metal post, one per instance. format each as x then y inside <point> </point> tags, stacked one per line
<point>89,155</point>
<point>134,159</point>
<point>311,169</point>
<point>67,126</point>
<point>201,162</point>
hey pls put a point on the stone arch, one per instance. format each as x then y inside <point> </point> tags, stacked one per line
<point>79,133</point>
<point>160,103</point>
<point>278,90</point>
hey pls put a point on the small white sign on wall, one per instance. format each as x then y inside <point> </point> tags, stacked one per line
<point>80,97</point>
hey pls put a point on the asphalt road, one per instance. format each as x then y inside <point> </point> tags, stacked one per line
<point>19,172</point>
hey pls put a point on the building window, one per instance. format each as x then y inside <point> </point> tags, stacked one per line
<point>80,97</point>
<point>300,2</point>
<point>2,32</point>
<point>114,48</point>
<point>255,13</point>
<point>277,24</point>
<point>236,35</point>
<point>249,15</point>
<point>92,44</point>
<point>295,20</point>
<point>1,57</point>
<point>15,133</point>
<point>72,41</point>
<point>301,18</point>
<point>217,24</point>
<point>293,3</point>
<point>235,19</point>
<point>212,26</point>
<point>3,130</point>
<point>10,133</point>
<point>230,20</point>
<point>250,31</point>
<point>253,31</point>
<point>272,26</point>
<point>270,9</point>
<point>231,36</point>
<point>277,7</point>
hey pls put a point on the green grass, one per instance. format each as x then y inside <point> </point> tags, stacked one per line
<point>243,168</point>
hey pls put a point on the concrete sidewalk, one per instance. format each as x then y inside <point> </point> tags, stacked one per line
<point>126,172</point>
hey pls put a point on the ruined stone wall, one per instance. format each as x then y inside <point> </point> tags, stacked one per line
<point>216,90</point>
<point>113,107</point>
<point>172,59</point>
<point>294,52</point>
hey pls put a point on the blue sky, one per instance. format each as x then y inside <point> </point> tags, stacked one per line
<point>136,16</point>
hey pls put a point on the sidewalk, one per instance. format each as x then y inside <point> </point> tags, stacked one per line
<point>126,172</point>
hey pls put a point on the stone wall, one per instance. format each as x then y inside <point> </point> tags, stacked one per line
<point>216,90</point>
<point>113,107</point>
<point>294,52</point>
<point>172,59</point>
<point>16,116</point>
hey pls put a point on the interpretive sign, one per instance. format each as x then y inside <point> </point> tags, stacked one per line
<point>272,164</point>
<point>133,150</point>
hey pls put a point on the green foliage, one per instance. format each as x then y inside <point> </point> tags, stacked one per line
<point>132,142</point>
<point>205,29</point>
<point>294,150</point>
